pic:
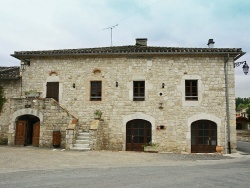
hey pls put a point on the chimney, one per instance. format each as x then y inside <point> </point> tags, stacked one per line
<point>210,43</point>
<point>141,41</point>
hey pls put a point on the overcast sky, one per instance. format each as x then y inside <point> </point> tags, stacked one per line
<point>63,24</point>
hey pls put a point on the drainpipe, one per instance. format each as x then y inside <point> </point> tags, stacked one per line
<point>227,105</point>
<point>21,83</point>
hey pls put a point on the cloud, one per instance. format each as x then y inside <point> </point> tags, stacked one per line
<point>62,24</point>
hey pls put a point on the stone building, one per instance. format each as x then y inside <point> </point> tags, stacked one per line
<point>242,122</point>
<point>175,97</point>
<point>10,82</point>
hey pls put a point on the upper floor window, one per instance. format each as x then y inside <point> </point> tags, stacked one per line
<point>191,90</point>
<point>139,90</point>
<point>96,90</point>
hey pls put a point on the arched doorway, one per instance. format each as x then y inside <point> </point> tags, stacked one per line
<point>138,133</point>
<point>203,136</point>
<point>27,130</point>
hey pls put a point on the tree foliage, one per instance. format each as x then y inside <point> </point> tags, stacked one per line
<point>2,98</point>
<point>242,103</point>
<point>248,113</point>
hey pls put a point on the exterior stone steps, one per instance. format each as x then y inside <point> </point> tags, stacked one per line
<point>82,142</point>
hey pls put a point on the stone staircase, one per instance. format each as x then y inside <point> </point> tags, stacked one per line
<point>82,142</point>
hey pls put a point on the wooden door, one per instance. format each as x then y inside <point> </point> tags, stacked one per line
<point>21,127</point>
<point>138,133</point>
<point>36,134</point>
<point>53,90</point>
<point>203,136</point>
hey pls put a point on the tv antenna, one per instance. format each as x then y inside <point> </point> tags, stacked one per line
<point>111,28</point>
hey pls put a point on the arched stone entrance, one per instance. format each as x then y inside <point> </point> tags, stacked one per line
<point>203,136</point>
<point>134,116</point>
<point>26,117</point>
<point>27,131</point>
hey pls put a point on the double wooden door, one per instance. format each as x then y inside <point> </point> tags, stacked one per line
<point>203,136</point>
<point>138,133</point>
<point>24,131</point>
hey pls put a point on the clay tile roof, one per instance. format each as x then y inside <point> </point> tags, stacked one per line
<point>128,50</point>
<point>9,73</point>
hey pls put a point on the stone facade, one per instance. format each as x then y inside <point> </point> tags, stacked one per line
<point>170,115</point>
<point>117,103</point>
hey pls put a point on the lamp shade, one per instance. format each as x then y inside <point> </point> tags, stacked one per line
<point>23,65</point>
<point>245,68</point>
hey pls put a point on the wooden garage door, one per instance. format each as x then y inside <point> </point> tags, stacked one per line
<point>21,132</point>
<point>203,136</point>
<point>36,134</point>
<point>138,133</point>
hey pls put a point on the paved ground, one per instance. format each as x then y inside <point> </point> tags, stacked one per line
<point>243,147</point>
<point>32,158</point>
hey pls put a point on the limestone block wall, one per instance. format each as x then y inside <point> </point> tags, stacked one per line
<point>11,89</point>
<point>117,102</point>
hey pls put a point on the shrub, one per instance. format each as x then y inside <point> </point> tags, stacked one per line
<point>4,141</point>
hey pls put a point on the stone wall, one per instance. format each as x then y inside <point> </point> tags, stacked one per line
<point>52,117</point>
<point>11,89</point>
<point>243,135</point>
<point>117,102</point>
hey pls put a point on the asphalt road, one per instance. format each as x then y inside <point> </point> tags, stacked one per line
<point>230,174</point>
<point>243,147</point>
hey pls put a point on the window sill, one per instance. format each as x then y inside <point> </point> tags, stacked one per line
<point>191,103</point>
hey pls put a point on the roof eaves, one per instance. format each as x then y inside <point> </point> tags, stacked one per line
<point>26,56</point>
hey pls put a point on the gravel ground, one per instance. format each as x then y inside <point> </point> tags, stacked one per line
<point>34,158</point>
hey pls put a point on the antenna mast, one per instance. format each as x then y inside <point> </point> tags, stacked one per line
<point>111,28</point>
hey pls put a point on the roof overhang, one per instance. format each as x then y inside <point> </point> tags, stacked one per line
<point>29,56</point>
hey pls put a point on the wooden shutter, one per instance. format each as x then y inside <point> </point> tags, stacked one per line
<point>36,134</point>
<point>53,90</point>
<point>21,132</point>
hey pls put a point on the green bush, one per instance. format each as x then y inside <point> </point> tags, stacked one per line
<point>4,141</point>
<point>2,99</point>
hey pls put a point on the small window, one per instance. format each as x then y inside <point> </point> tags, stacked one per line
<point>191,90</point>
<point>139,90</point>
<point>96,90</point>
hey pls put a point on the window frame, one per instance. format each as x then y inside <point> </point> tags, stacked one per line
<point>140,87</point>
<point>96,85</point>
<point>191,90</point>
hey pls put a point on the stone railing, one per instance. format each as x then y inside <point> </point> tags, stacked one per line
<point>71,133</point>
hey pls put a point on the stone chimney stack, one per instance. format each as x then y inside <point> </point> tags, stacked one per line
<point>210,43</point>
<point>141,41</point>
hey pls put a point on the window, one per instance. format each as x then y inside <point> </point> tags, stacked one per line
<point>96,90</point>
<point>139,90</point>
<point>191,90</point>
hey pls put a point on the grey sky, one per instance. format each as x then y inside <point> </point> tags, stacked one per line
<point>64,24</point>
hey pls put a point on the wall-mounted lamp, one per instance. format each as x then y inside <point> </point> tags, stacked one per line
<point>163,85</point>
<point>245,67</point>
<point>161,105</point>
<point>24,63</point>
<point>74,85</point>
<point>116,84</point>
